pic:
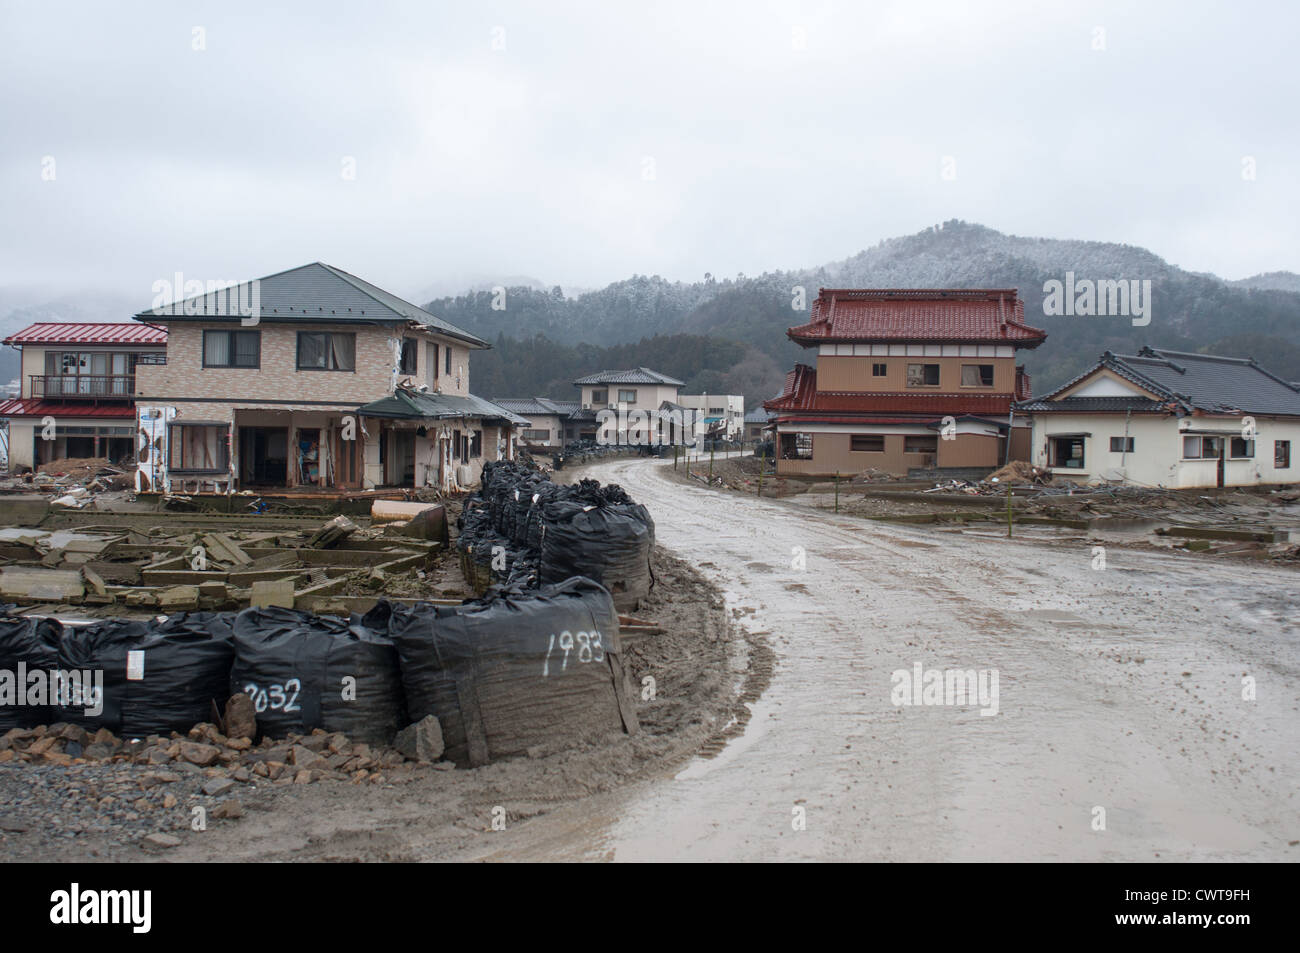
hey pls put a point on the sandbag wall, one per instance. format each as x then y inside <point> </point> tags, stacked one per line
<point>536,667</point>
<point>522,530</point>
<point>532,668</point>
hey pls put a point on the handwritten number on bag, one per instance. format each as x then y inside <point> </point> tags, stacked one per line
<point>277,697</point>
<point>587,643</point>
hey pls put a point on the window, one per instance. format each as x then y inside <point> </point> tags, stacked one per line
<point>327,351</point>
<point>447,351</point>
<point>716,411</point>
<point>537,435</point>
<point>410,356</point>
<point>1202,448</point>
<point>232,348</point>
<point>1282,454</point>
<point>198,448</point>
<point>599,396</point>
<point>1121,444</point>
<point>1065,452</point>
<point>922,443</point>
<point>796,446</point>
<point>1239,448</point>
<point>976,375</point>
<point>476,445</point>
<point>627,397</point>
<point>867,443</point>
<point>922,375</point>
<point>879,370</point>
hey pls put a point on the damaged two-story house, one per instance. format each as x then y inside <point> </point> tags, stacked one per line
<point>906,380</point>
<point>326,383</point>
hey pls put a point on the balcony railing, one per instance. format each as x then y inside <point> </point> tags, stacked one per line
<point>83,386</point>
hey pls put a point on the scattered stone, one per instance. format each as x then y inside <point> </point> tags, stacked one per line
<point>162,840</point>
<point>228,809</point>
<point>199,754</point>
<point>241,717</point>
<point>218,786</point>
<point>421,741</point>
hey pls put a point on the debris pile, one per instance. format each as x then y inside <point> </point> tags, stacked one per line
<point>522,530</point>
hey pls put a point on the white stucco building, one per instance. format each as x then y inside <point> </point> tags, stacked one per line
<point>1170,419</point>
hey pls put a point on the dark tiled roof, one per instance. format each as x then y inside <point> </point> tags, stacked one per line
<point>1188,382</point>
<point>955,315</point>
<point>635,375</point>
<point>538,405</point>
<point>316,293</point>
<point>416,405</point>
<point>1098,405</point>
<point>66,332</point>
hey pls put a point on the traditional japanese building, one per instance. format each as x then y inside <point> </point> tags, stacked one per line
<point>906,380</point>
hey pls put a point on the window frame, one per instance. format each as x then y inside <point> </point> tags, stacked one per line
<point>1281,454</point>
<point>938,375</point>
<point>1122,448</point>
<point>1054,460</point>
<point>622,395</point>
<point>230,349</point>
<point>223,447</point>
<point>855,437</point>
<point>411,349</point>
<point>920,436</point>
<point>880,369</point>
<point>298,365</point>
<point>992,376</point>
<point>1248,448</point>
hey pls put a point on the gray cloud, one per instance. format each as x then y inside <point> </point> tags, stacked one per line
<point>533,159</point>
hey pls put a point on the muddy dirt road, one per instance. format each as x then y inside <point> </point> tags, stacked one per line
<point>1120,701</point>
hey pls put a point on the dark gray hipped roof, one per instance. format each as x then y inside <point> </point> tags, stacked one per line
<point>759,416</point>
<point>635,375</point>
<point>537,405</point>
<point>407,404</point>
<point>1184,382</point>
<point>315,293</point>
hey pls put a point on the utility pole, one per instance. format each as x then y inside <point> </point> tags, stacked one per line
<point>837,491</point>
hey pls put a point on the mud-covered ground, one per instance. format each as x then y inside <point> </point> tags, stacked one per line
<point>103,812</point>
<point>1148,710</point>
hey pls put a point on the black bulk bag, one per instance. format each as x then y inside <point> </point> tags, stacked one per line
<point>27,645</point>
<point>611,544</point>
<point>541,667</point>
<point>157,676</point>
<point>306,671</point>
<point>186,671</point>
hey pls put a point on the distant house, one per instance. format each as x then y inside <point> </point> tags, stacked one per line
<point>1170,419</point>
<point>335,384</point>
<point>551,424</point>
<point>904,379</point>
<point>77,394</point>
<point>757,422</point>
<point>633,406</point>
<point>722,414</point>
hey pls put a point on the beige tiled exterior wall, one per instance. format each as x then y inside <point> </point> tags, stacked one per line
<point>278,378</point>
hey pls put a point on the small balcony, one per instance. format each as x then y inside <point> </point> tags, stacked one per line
<point>92,387</point>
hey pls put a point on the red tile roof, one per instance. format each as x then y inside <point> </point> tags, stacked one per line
<point>801,394</point>
<point>34,407</point>
<point>954,315</point>
<point>65,332</point>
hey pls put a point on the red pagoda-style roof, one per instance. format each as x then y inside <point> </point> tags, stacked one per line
<point>947,315</point>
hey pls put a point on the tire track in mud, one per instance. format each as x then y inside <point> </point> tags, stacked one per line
<point>1078,727</point>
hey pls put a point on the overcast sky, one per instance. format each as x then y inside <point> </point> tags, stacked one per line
<point>582,143</point>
